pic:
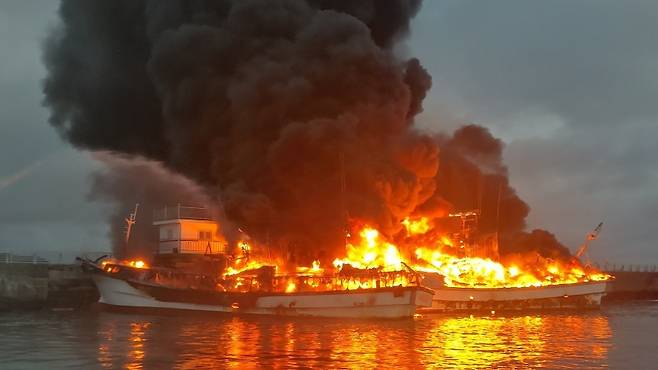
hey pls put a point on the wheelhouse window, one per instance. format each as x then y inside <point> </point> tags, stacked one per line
<point>205,235</point>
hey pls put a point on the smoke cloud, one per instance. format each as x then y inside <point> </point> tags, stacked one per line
<point>291,115</point>
<point>474,177</point>
<point>126,181</point>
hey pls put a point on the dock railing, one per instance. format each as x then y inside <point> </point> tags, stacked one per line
<point>615,267</point>
<point>10,258</point>
<point>49,257</point>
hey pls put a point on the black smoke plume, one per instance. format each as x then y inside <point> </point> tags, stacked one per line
<point>474,177</point>
<point>127,181</point>
<point>291,116</point>
<point>290,113</point>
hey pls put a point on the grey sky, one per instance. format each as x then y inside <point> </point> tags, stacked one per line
<point>569,85</point>
<point>43,182</point>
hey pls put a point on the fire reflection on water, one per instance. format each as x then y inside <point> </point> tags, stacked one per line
<point>427,342</point>
<point>242,344</point>
<point>358,349</point>
<point>234,343</point>
<point>483,342</point>
<point>136,353</point>
<point>524,341</point>
<point>104,357</point>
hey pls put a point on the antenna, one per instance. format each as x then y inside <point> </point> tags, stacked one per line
<point>500,192</point>
<point>593,235</point>
<point>343,184</point>
<point>479,193</point>
<point>343,204</point>
<point>130,221</point>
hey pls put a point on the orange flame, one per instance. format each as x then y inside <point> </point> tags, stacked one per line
<point>291,287</point>
<point>378,262</point>
<point>416,226</point>
<point>314,269</point>
<point>137,264</point>
<point>371,252</point>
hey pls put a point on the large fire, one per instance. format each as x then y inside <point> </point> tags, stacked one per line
<point>371,252</point>
<point>373,260</point>
<point>484,273</point>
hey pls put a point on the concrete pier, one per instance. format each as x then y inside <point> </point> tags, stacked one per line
<point>69,287</point>
<point>632,285</point>
<point>23,285</point>
<point>39,285</point>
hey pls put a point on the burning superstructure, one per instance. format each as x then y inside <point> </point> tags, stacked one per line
<point>466,275</point>
<point>219,277</point>
<point>195,269</point>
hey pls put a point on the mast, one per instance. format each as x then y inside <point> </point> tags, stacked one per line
<point>593,235</point>
<point>130,221</point>
<point>500,192</point>
<point>496,242</point>
<point>343,202</point>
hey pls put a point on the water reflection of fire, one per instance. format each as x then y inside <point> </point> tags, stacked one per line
<point>550,341</point>
<point>486,342</point>
<point>137,339</point>
<point>459,342</point>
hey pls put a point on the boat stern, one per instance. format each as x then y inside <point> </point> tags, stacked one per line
<point>423,297</point>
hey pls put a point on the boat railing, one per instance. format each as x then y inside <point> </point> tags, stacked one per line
<point>266,282</point>
<point>193,246</point>
<point>178,212</point>
<point>323,282</point>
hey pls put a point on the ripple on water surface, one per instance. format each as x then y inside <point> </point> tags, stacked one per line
<point>93,339</point>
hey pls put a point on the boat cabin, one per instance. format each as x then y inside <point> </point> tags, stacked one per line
<point>187,230</point>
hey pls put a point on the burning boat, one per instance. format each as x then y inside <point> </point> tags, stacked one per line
<point>195,270</point>
<point>270,126</point>
<point>476,281</point>
<point>247,285</point>
<point>125,286</point>
<point>579,295</point>
<point>466,273</point>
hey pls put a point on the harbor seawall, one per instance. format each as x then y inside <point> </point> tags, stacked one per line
<point>631,285</point>
<point>34,286</point>
<point>23,285</point>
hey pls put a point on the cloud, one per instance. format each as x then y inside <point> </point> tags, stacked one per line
<point>571,87</point>
<point>49,210</point>
<point>592,60</point>
<point>9,180</point>
<point>44,183</point>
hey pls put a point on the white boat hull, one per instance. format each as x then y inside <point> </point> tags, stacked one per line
<point>579,295</point>
<point>371,303</point>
